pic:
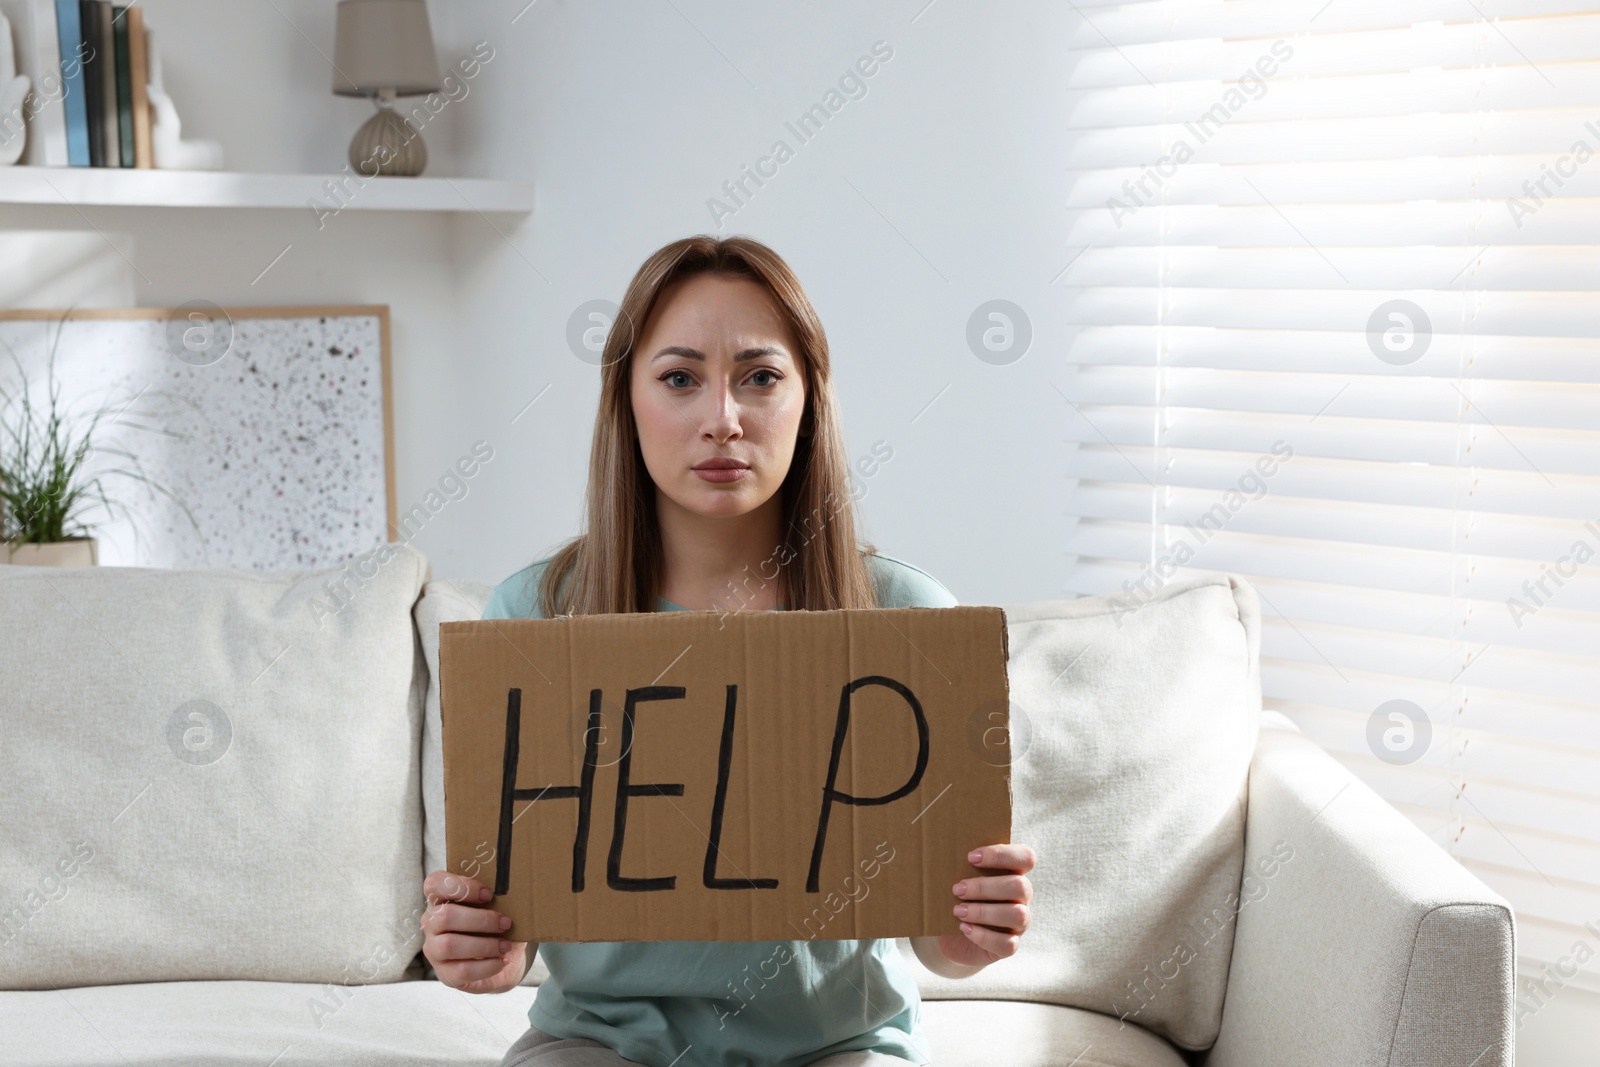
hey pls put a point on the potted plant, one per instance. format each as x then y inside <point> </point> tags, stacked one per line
<point>46,481</point>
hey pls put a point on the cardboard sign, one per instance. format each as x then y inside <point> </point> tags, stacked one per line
<point>725,776</point>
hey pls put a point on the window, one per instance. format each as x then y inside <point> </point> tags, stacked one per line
<point>1336,325</point>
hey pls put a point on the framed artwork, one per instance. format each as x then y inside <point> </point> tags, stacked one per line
<point>272,426</point>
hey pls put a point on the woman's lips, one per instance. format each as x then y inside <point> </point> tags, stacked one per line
<point>721,474</point>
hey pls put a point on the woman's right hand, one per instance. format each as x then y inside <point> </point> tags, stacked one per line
<point>461,937</point>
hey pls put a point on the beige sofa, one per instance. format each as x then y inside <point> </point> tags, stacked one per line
<point>222,790</point>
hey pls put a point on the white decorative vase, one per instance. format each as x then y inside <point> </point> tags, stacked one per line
<point>13,95</point>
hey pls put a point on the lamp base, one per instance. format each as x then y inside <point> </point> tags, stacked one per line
<point>387,144</point>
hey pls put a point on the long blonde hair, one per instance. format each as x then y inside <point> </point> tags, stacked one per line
<point>616,564</point>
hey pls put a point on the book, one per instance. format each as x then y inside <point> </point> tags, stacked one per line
<point>70,51</point>
<point>139,75</point>
<point>119,34</point>
<point>93,94</point>
<point>105,44</point>
<point>43,114</point>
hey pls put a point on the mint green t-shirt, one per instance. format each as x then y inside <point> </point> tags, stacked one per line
<point>733,1003</point>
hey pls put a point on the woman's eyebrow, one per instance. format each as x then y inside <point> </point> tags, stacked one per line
<point>692,353</point>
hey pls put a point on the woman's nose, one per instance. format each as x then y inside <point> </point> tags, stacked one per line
<point>722,421</point>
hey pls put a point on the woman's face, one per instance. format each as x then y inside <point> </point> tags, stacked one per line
<point>716,380</point>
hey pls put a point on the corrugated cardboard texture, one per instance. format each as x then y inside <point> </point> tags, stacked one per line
<point>590,827</point>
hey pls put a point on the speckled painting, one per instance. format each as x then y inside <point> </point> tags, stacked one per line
<point>268,427</point>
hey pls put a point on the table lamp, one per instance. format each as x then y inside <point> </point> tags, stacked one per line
<point>384,49</point>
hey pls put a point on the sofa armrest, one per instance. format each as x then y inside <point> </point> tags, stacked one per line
<point>1358,940</point>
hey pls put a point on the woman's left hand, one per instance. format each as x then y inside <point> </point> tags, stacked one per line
<point>994,909</point>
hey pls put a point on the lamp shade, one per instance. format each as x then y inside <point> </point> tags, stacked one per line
<point>384,44</point>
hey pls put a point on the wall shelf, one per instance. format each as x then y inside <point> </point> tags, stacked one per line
<point>129,187</point>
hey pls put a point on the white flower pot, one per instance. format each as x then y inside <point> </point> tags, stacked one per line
<point>73,552</point>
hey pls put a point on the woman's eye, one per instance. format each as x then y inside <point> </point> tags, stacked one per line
<point>774,378</point>
<point>672,374</point>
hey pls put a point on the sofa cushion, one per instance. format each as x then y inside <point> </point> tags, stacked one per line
<point>443,600</point>
<point>428,1024</point>
<point>284,1024</point>
<point>447,600</point>
<point>210,774</point>
<point>1143,712</point>
<point>984,1033</point>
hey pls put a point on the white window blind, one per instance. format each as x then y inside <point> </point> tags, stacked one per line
<point>1262,194</point>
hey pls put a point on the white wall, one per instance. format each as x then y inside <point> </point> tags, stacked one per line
<point>627,120</point>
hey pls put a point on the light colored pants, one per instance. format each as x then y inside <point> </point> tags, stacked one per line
<point>539,1049</point>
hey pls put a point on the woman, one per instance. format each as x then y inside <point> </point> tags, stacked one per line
<point>717,480</point>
